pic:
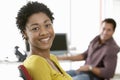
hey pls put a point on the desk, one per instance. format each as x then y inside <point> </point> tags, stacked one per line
<point>68,65</point>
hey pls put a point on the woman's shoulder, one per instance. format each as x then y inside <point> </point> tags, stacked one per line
<point>34,59</point>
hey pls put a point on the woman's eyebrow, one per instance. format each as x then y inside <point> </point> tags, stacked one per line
<point>47,21</point>
<point>33,24</point>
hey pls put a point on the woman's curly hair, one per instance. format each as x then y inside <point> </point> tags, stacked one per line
<point>27,10</point>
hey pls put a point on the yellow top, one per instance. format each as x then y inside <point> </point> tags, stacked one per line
<point>40,69</point>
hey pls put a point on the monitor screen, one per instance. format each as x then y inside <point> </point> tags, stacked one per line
<point>60,42</point>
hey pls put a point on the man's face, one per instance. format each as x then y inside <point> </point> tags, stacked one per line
<point>106,31</point>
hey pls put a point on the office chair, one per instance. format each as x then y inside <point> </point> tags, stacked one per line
<point>24,73</point>
<point>21,57</point>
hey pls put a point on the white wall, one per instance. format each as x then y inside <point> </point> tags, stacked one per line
<point>9,33</point>
<point>85,20</point>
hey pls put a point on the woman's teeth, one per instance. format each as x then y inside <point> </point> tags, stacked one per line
<point>45,39</point>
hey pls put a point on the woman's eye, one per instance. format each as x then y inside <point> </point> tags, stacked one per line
<point>48,25</point>
<point>35,29</point>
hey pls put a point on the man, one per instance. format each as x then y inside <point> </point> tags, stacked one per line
<point>100,57</point>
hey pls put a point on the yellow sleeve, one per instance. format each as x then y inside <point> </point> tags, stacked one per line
<point>39,69</point>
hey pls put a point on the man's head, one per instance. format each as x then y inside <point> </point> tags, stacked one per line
<point>108,27</point>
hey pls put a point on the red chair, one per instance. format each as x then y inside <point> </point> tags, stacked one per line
<point>24,73</point>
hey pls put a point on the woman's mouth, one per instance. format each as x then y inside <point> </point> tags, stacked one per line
<point>45,40</point>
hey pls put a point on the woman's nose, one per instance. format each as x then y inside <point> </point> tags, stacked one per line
<point>43,31</point>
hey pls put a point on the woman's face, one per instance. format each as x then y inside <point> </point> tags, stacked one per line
<point>39,32</point>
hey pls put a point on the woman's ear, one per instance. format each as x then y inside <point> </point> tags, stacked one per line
<point>24,35</point>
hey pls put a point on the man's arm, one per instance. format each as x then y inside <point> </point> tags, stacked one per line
<point>85,68</point>
<point>109,61</point>
<point>77,57</point>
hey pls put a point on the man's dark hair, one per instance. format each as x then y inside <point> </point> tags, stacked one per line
<point>111,21</point>
<point>27,10</point>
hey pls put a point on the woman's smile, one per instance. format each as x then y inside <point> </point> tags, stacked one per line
<point>45,40</point>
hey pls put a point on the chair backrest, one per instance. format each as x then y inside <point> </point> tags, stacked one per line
<point>24,73</point>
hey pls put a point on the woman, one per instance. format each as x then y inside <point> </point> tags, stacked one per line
<point>35,23</point>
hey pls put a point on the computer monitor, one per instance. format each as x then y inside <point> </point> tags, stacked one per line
<point>59,46</point>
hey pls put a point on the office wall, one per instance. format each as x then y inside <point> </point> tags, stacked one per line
<point>85,20</point>
<point>9,34</point>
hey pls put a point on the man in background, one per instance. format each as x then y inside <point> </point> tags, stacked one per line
<point>100,57</point>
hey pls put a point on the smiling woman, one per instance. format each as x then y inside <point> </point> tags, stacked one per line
<point>34,20</point>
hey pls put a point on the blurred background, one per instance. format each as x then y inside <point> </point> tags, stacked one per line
<point>78,19</point>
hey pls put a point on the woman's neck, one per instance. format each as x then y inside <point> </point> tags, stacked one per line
<point>45,54</point>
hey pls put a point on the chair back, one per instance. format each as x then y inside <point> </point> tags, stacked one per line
<point>24,73</point>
